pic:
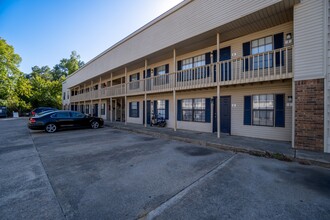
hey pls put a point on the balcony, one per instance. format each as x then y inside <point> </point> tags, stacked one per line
<point>268,66</point>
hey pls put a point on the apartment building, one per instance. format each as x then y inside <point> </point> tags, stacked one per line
<point>245,68</point>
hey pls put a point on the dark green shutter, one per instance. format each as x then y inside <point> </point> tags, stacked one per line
<point>208,110</point>
<point>138,109</point>
<point>279,110</point>
<point>130,109</point>
<point>179,111</point>
<point>166,109</point>
<point>138,76</point>
<point>247,110</point>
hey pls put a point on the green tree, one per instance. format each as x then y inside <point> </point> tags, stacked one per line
<point>14,87</point>
<point>9,62</point>
<point>67,66</point>
<point>45,92</point>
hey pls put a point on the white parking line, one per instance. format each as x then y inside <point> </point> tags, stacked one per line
<point>173,200</point>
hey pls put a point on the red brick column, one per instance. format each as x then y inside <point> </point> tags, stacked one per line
<point>309,114</point>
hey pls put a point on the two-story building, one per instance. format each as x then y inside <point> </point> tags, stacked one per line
<point>247,68</point>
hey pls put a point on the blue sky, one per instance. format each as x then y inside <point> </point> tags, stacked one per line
<point>45,31</point>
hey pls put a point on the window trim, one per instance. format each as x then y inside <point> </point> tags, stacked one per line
<point>193,62</point>
<point>163,108</point>
<point>193,110</point>
<point>134,112</point>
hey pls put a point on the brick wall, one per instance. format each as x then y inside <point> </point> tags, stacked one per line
<point>309,114</point>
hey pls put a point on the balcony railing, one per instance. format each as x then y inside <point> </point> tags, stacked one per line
<point>117,90</point>
<point>271,65</point>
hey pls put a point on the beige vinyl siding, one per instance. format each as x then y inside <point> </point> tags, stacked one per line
<point>133,120</point>
<point>237,112</point>
<point>194,18</point>
<point>196,126</point>
<point>309,39</point>
<point>171,114</point>
<point>237,94</point>
<point>237,44</point>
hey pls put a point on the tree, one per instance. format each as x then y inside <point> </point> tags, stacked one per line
<point>67,66</point>
<point>42,87</point>
<point>14,87</point>
<point>45,92</point>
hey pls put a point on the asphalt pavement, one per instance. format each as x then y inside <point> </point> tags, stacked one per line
<point>113,174</point>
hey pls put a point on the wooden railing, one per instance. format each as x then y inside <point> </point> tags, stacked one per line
<point>271,65</point>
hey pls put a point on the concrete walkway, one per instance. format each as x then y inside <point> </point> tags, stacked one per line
<point>281,150</point>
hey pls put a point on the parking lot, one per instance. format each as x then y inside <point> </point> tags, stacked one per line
<point>114,174</point>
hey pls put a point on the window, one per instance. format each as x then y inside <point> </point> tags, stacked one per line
<point>134,77</point>
<point>161,108</point>
<point>61,115</point>
<point>263,110</point>
<point>134,109</point>
<point>82,108</point>
<point>103,109</point>
<point>193,110</point>
<point>81,91</point>
<point>63,95</point>
<point>87,109</point>
<point>76,92</point>
<point>72,93</point>
<point>162,75</point>
<point>87,89</point>
<point>96,87</point>
<point>262,45</point>
<point>161,70</point>
<point>77,115</point>
<point>193,62</point>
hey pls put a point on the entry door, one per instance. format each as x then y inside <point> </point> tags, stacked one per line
<point>225,114</point>
<point>225,54</point>
<point>148,112</point>
<point>96,110</point>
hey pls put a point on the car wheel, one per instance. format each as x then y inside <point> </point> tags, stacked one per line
<point>95,124</point>
<point>51,128</point>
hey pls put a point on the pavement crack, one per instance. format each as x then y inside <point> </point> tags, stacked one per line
<point>50,183</point>
<point>175,198</point>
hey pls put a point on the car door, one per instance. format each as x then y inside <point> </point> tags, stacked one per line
<point>80,120</point>
<point>63,119</point>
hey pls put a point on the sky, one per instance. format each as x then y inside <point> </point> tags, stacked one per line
<point>43,32</point>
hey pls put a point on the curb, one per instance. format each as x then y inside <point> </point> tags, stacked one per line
<point>225,147</point>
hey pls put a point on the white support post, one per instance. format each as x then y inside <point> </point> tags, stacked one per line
<point>84,98</point>
<point>111,107</point>
<point>121,110</point>
<point>126,96</point>
<point>218,85</point>
<point>174,91</point>
<point>115,109</point>
<point>145,92</point>
<point>111,112</point>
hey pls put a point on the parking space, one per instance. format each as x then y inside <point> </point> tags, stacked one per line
<point>113,174</point>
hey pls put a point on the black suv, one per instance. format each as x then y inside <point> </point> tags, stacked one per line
<point>41,109</point>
